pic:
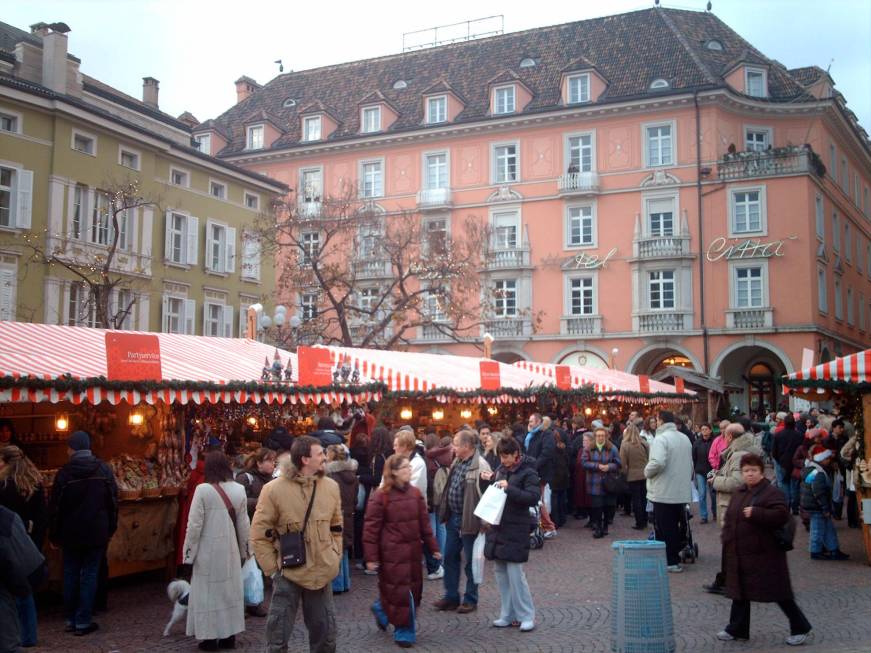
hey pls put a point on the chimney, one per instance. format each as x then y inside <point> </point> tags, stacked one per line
<point>150,88</point>
<point>54,55</point>
<point>245,86</point>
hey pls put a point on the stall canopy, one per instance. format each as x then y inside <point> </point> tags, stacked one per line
<point>444,377</point>
<point>613,383</point>
<point>851,372</point>
<point>41,362</point>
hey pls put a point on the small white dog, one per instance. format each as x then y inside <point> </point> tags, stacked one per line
<point>178,592</point>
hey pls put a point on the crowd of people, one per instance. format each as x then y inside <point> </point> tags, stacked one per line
<point>402,505</point>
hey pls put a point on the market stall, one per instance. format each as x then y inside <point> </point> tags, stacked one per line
<point>846,381</point>
<point>147,399</point>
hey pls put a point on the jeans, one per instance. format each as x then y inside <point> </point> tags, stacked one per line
<point>401,632</point>
<point>784,482</point>
<point>639,501</point>
<point>27,619</point>
<point>666,521</point>
<point>823,533</point>
<point>81,567</point>
<point>704,490</point>
<point>514,593</point>
<point>559,507</point>
<point>438,531</point>
<point>458,547</point>
<point>317,611</point>
<point>739,619</point>
<point>342,582</point>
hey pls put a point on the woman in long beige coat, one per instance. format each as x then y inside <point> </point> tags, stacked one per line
<point>216,547</point>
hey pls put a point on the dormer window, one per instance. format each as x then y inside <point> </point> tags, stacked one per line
<point>505,100</point>
<point>288,103</point>
<point>579,88</point>
<point>437,109</point>
<point>254,139</point>
<point>400,84</point>
<point>658,84</point>
<point>371,120</point>
<point>311,128</point>
<point>204,143</point>
<point>714,45</point>
<point>528,62</point>
<point>756,82</point>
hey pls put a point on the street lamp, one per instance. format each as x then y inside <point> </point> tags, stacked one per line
<point>259,322</point>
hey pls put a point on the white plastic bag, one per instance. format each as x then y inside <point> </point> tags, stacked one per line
<point>545,499</point>
<point>252,582</point>
<point>491,505</point>
<point>478,559</point>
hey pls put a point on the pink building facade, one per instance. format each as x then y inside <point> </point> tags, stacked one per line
<point>696,204</point>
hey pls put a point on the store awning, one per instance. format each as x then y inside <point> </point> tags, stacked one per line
<point>42,362</point>
<point>846,373</point>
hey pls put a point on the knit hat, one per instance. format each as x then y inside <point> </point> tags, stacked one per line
<point>598,424</point>
<point>79,440</point>
<point>823,455</point>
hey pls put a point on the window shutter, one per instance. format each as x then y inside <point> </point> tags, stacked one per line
<point>255,259</point>
<point>243,321</point>
<point>88,217</point>
<point>228,321</point>
<point>25,193</point>
<point>164,315</point>
<point>193,233</point>
<point>205,319</point>
<point>190,316</point>
<point>210,241</point>
<point>230,250</point>
<point>8,283</point>
<point>167,238</point>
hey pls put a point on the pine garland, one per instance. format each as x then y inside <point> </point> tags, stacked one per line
<point>838,385</point>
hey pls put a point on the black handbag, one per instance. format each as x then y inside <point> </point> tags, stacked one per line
<point>292,543</point>
<point>614,483</point>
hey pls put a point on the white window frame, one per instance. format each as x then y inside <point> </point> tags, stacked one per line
<point>567,150</point>
<point>578,78</point>
<point>205,148</point>
<point>567,231</point>
<point>186,322</point>
<point>305,198</point>
<point>16,118</point>
<point>182,171</point>
<point>77,232</point>
<point>223,195</point>
<point>820,218</point>
<point>85,311</point>
<point>96,230</point>
<point>365,126</point>
<point>430,118</point>
<point>217,246</point>
<point>822,290</point>
<point>250,131</point>
<point>505,88</point>
<point>672,125</point>
<point>647,201</point>
<point>839,298</point>
<point>503,312</point>
<point>505,212</point>
<point>763,211</point>
<point>310,134</point>
<point>763,73</point>
<point>649,283</point>
<point>425,173</point>
<point>191,223</point>
<point>136,154</point>
<point>308,308</point>
<point>734,267</point>
<point>432,219</point>
<point>251,248</point>
<point>494,176</point>
<point>767,138</point>
<point>20,197</point>
<point>568,305</point>
<point>361,172</point>
<point>310,242</point>
<point>83,134</point>
<point>255,206</point>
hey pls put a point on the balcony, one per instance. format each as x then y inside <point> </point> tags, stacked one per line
<point>433,199</point>
<point>310,210</point>
<point>509,327</point>
<point>790,160</point>
<point>581,325</point>
<point>507,259</point>
<point>749,318</point>
<point>661,247</point>
<point>432,332</point>
<point>576,184</point>
<point>372,269</point>
<point>661,322</point>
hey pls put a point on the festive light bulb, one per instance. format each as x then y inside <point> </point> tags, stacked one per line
<point>405,413</point>
<point>438,414</point>
<point>62,423</point>
<point>135,419</point>
<point>588,411</point>
<point>465,413</point>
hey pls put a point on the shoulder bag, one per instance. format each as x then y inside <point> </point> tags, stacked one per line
<point>292,543</point>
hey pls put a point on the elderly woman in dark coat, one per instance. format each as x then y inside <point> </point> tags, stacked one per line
<point>755,564</point>
<point>394,534</point>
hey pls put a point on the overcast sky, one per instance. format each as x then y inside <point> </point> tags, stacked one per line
<point>197,49</point>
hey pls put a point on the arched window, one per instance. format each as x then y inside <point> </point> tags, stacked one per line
<point>714,45</point>
<point>528,62</point>
<point>660,83</point>
<point>400,84</point>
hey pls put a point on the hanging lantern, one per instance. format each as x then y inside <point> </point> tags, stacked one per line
<point>62,423</point>
<point>466,413</point>
<point>405,413</point>
<point>136,419</point>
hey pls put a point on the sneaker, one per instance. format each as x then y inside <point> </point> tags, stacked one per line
<point>438,573</point>
<point>87,630</point>
<point>797,640</point>
<point>549,535</point>
<point>674,569</point>
<point>723,636</point>
<point>501,623</point>
<point>370,572</point>
<point>526,626</point>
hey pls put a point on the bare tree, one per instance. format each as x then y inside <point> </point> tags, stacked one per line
<point>96,266</point>
<point>364,277</point>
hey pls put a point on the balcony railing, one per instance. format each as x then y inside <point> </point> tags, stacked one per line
<point>578,183</point>
<point>372,269</point>
<point>661,322</point>
<point>581,325</point>
<point>310,209</point>
<point>434,198</point>
<point>502,259</point>
<point>770,163</point>
<point>509,327</point>
<point>431,332</point>
<point>662,246</point>
<point>749,318</point>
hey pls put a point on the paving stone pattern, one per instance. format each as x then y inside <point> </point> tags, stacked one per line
<point>571,584</point>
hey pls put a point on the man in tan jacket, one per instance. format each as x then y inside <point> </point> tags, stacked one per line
<point>281,508</point>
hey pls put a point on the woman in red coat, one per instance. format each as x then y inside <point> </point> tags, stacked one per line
<point>394,533</point>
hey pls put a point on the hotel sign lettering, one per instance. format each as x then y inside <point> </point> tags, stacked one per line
<point>722,249</point>
<point>584,261</point>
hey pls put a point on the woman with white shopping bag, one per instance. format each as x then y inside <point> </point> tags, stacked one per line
<point>507,544</point>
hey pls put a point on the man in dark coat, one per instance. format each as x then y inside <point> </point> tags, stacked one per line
<point>755,564</point>
<point>21,566</point>
<point>540,445</point>
<point>84,516</point>
<point>327,433</point>
<point>786,441</point>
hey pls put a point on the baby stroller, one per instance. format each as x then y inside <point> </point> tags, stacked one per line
<point>536,535</point>
<point>690,550</point>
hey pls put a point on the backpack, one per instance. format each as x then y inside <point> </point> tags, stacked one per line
<point>439,483</point>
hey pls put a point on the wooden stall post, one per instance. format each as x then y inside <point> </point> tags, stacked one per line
<point>862,490</point>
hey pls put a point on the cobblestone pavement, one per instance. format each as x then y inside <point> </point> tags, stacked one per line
<point>571,584</point>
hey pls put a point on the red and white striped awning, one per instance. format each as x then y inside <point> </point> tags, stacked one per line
<point>854,369</point>
<point>420,372</point>
<point>51,352</point>
<point>610,383</point>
